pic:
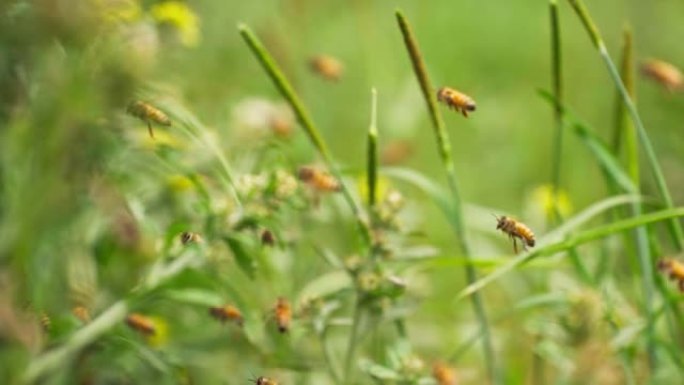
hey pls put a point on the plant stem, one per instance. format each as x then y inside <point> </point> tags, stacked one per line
<point>59,356</point>
<point>353,340</point>
<point>557,88</point>
<point>372,171</point>
<point>287,91</point>
<point>673,225</point>
<point>444,148</point>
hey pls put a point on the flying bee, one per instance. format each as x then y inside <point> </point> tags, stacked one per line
<point>264,381</point>
<point>188,237</point>
<point>227,312</point>
<point>515,229</point>
<point>283,314</point>
<point>443,374</point>
<point>326,66</point>
<point>318,179</point>
<point>148,114</point>
<point>664,73</point>
<point>456,100</point>
<point>674,269</point>
<point>267,237</point>
<point>82,313</point>
<point>141,324</point>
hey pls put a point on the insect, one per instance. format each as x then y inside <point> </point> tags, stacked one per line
<point>663,73</point>
<point>515,229</point>
<point>456,100</point>
<point>225,313</point>
<point>326,66</point>
<point>82,313</point>
<point>264,381</point>
<point>188,237</point>
<point>283,314</point>
<point>148,114</point>
<point>267,237</point>
<point>318,179</point>
<point>443,374</point>
<point>674,269</point>
<point>141,324</point>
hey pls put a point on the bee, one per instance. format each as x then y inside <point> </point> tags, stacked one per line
<point>664,73</point>
<point>318,179</point>
<point>141,324</point>
<point>515,229</point>
<point>326,66</point>
<point>396,152</point>
<point>188,237</point>
<point>283,314</point>
<point>264,381</point>
<point>456,100</point>
<point>45,321</point>
<point>227,312</point>
<point>674,269</point>
<point>148,114</point>
<point>82,313</point>
<point>443,374</point>
<point>267,238</point>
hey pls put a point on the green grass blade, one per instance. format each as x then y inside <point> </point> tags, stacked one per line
<point>557,87</point>
<point>372,168</point>
<point>674,225</point>
<point>559,240</point>
<point>444,148</point>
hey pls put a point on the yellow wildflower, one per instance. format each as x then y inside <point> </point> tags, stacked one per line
<point>180,16</point>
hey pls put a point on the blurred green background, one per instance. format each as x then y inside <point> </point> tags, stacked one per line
<point>88,203</point>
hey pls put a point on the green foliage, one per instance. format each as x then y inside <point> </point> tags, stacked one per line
<point>116,248</point>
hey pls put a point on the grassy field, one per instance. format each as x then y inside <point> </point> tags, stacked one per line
<point>359,204</point>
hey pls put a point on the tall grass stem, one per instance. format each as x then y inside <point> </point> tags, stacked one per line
<point>444,148</point>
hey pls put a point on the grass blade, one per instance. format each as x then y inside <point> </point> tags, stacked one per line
<point>444,148</point>
<point>372,171</point>
<point>287,91</point>
<point>557,87</point>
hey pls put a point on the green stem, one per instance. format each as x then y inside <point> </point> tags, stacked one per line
<point>353,340</point>
<point>673,225</point>
<point>557,88</point>
<point>59,356</point>
<point>372,172</point>
<point>444,148</point>
<point>287,91</point>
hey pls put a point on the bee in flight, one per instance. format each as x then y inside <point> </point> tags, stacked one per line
<point>674,269</point>
<point>148,114</point>
<point>664,73</point>
<point>515,230</point>
<point>188,237</point>
<point>318,179</point>
<point>326,66</point>
<point>141,324</point>
<point>283,314</point>
<point>264,381</point>
<point>225,313</point>
<point>443,374</point>
<point>456,100</point>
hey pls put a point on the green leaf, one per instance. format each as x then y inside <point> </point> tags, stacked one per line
<point>243,258</point>
<point>193,296</point>
<point>378,371</point>
<point>325,285</point>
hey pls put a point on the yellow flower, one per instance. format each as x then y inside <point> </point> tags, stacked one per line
<point>179,15</point>
<point>179,183</point>
<point>161,333</point>
<point>543,196</point>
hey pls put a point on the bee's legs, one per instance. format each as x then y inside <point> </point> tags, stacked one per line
<point>149,129</point>
<point>515,245</point>
<point>681,285</point>
<point>464,112</point>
